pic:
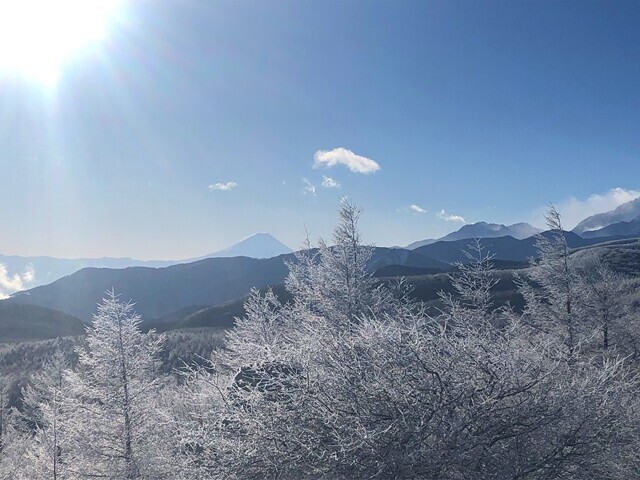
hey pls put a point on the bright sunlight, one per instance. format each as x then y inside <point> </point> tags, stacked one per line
<point>38,36</point>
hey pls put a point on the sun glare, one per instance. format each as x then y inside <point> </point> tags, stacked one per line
<point>38,36</point>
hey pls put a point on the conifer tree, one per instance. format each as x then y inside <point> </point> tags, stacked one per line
<point>556,300</point>
<point>117,420</point>
<point>44,413</point>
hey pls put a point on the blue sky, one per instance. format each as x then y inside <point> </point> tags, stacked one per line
<point>478,110</point>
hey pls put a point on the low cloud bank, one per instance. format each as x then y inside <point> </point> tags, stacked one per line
<point>11,283</point>
<point>574,210</point>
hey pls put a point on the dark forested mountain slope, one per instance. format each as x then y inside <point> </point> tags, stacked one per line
<point>160,291</point>
<point>504,248</point>
<point>157,291</point>
<point>621,255</point>
<point>620,229</point>
<point>383,257</point>
<point>20,323</point>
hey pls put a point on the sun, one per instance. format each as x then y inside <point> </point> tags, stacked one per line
<point>38,36</point>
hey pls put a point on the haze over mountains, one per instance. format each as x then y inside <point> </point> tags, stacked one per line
<point>29,272</point>
<point>623,220</point>
<point>161,291</point>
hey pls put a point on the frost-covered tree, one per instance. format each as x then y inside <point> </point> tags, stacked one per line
<point>472,283</point>
<point>43,412</point>
<point>332,387</point>
<point>261,333</point>
<point>4,414</point>
<point>334,281</point>
<point>118,426</point>
<point>556,300</point>
<point>606,291</point>
<point>13,440</point>
<point>13,462</point>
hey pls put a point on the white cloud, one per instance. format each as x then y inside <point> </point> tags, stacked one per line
<point>328,182</point>
<point>573,210</point>
<point>442,215</point>
<point>14,283</point>
<point>224,187</point>
<point>342,156</point>
<point>309,187</point>
<point>29,274</point>
<point>416,208</point>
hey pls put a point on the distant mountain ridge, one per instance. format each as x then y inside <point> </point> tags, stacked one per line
<point>233,278</point>
<point>626,212</point>
<point>506,249</point>
<point>518,231</point>
<point>46,270</point>
<point>624,221</point>
<point>210,293</point>
<point>160,291</point>
<point>623,229</point>
<point>156,291</point>
<point>258,245</point>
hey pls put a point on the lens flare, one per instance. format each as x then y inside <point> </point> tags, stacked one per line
<point>38,36</point>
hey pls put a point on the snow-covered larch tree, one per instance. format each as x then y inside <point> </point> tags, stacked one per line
<point>335,281</point>
<point>607,292</point>
<point>556,300</point>
<point>117,425</point>
<point>43,411</point>
<point>13,439</point>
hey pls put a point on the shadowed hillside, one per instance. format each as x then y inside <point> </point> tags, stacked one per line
<point>20,323</point>
<point>159,292</point>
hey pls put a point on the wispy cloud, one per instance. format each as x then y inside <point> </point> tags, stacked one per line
<point>224,187</point>
<point>328,182</point>
<point>342,156</point>
<point>309,187</point>
<point>416,208</point>
<point>574,210</point>
<point>14,283</point>
<point>442,215</point>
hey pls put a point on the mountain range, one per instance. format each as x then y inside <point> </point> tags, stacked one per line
<point>624,213</point>
<point>482,230</point>
<point>166,293</point>
<point>157,291</point>
<point>30,272</point>
<point>623,229</point>
<point>161,291</point>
